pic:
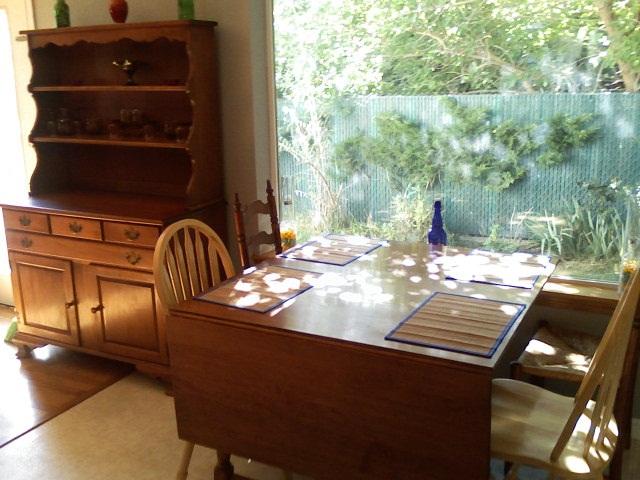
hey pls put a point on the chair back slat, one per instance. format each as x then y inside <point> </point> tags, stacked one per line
<point>178,251</point>
<point>257,207</point>
<point>202,263</point>
<point>175,288</point>
<point>187,254</point>
<point>193,277</point>
<point>261,238</point>
<point>212,262</point>
<point>601,381</point>
<point>248,246</point>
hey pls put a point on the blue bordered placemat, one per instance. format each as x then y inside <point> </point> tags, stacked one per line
<point>331,254</point>
<point>505,262</point>
<point>529,284</point>
<point>397,335</point>
<point>256,299</point>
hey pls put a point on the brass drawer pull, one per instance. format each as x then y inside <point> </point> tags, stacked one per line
<point>97,309</point>
<point>26,242</point>
<point>70,304</point>
<point>75,227</point>
<point>133,257</point>
<point>25,221</point>
<point>131,233</point>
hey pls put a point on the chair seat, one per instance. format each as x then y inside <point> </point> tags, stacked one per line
<point>567,353</point>
<point>526,422</point>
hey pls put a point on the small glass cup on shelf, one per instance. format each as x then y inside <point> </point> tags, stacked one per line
<point>182,132</point>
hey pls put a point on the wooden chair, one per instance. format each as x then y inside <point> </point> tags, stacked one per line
<point>569,437</point>
<point>186,262</point>
<point>565,354</point>
<point>249,247</point>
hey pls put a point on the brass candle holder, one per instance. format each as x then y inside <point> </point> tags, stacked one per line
<point>129,67</point>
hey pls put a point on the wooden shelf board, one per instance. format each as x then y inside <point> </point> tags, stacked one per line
<point>119,26</point>
<point>108,88</point>
<point>153,209</point>
<point>109,142</point>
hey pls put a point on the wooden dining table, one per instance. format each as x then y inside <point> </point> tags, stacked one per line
<point>374,368</point>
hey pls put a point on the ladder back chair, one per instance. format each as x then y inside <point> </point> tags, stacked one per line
<point>186,262</point>
<point>569,437</point>
<point>248,247</point>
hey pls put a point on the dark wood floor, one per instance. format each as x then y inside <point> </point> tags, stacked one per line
<point>53,380</point>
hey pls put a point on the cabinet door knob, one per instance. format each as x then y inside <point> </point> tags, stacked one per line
<point>25,221</point>
<point>75,227</point>
<point>26,242</point>
<point>133,257</point>
<point>97,308</point>
<point>70,304</point>
<point>131,233</point>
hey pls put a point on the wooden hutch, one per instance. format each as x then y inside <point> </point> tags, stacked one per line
<point>127,137</point>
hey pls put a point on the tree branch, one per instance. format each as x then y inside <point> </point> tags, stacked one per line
<point>629,77</point>
<point>484,54</point>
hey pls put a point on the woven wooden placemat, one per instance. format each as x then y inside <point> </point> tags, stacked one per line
<point>261,290</point>
<point>333,249</point>
<point>458,323</point>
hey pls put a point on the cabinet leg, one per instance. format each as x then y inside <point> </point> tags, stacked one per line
<point>24,350</point>
<point>25,345</point>
<point>224,467</point>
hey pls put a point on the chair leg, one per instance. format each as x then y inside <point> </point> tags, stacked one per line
<point>183,469</point>
<point>224,468</point>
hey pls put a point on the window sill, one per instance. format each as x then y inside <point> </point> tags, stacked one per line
<point>579,295</point>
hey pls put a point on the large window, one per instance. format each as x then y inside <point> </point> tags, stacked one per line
<point>521,115</point>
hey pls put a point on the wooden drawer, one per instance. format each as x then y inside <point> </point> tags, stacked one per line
<point>23,220</point>
<point>130,233</point>
<point>81,250</point>
<point>76,227</point>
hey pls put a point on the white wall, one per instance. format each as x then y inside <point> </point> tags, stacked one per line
<point>16,105</point>
<point>244,82</point>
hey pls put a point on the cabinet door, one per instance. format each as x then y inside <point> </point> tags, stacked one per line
<point>129,317</point>
<point>45,297</point>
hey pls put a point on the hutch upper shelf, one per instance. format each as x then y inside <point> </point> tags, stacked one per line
<point>127,108</point>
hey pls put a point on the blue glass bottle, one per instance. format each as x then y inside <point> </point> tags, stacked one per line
<point>437,236</point>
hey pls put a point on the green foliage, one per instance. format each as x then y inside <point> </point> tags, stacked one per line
<point>350,157</point>
<point>508,236</point>
<point>498,243</point>
<point>588,228</point>
<point>409,219</point>
<point>565,133</point>
<point>471,148</point>
<point>401,149</point>
<point>484,153</point>
<point>417,47</point>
